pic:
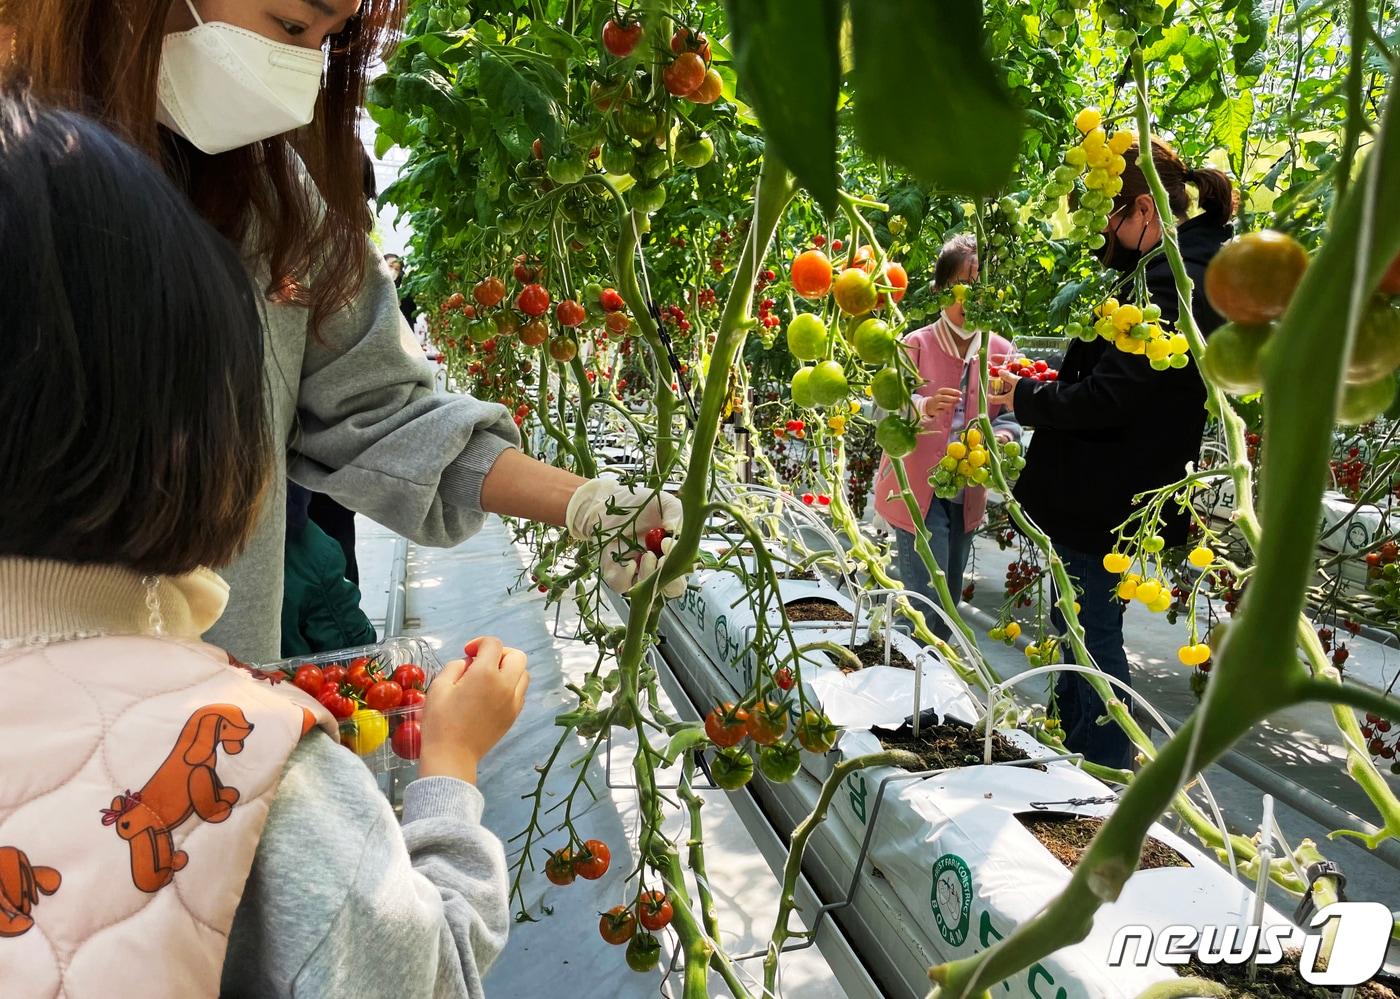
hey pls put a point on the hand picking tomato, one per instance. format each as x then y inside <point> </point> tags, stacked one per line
<point>617,925</point>
<point>654,910</point>
<point>407,740</point>
<point>643,952</point>
<point>559,868</point>
<point>592,863</point>
<point>653,539</point>
<point>310,679</point>
<point>726,725</point>
<point>410,677</point>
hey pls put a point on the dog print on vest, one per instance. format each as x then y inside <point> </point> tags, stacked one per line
<point>184,785</point>
<point>21,884</point>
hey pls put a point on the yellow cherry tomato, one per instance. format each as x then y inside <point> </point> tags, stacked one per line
<point>1148,591</point>
<point>364,731</point>
<point>1201,556</point>
<point>1087,121</point>
<point>977,457</point>
<point>1162,603</point>
<point>1121,142</point>
<point>1179,344</point>
<point>1117,562</point>
<point>957,450</point>
<point>1127,589</point>
<point>973,437</point>
<point>1012,630</point>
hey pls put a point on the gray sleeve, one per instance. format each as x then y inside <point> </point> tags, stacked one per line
<point>373,432</point>
<point>333,870</point>
<point>1006,420</point>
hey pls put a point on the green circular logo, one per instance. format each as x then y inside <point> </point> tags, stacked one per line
<point>951,899</point>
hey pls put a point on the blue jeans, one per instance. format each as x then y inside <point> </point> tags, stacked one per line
<point>1101,614</point>
<point>951,546</point>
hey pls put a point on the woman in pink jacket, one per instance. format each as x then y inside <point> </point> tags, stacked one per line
<point>946,355</point>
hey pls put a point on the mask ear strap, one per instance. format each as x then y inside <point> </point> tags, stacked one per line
<point>197,19</point>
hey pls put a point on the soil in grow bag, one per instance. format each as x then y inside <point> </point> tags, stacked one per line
<point>954,744</point>
<point>1067,837</point>
<point>816,609</point>
<point>1278,981</point>
<point>872,653</point>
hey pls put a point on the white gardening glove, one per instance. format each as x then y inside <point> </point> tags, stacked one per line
<point>607,507</point>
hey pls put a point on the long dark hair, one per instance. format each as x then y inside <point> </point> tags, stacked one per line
<point>102,57</point>
<point>135,429</point>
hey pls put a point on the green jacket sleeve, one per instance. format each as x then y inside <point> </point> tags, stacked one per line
<point>320,607</point>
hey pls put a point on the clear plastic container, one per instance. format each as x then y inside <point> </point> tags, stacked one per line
<point>375,735</point>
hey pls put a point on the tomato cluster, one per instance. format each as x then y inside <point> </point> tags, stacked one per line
<point>370,700</point>
<point>967,462</point>
<point>618,926</point>
<point>1251,282</point>
<point>1381,742</point>
<point>1021,575</point>
<point>764,723</point>
<point>1099,159</point>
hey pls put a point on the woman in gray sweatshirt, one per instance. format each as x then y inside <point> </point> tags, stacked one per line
<point>253,108</point>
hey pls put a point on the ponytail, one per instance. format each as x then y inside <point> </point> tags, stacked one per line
<point>1217,196</point>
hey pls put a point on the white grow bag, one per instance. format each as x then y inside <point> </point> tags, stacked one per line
<point>969,873</point>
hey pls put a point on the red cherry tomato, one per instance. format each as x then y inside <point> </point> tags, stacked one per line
<point>783,678</point>
<point>611,300</point>
<point>569,313</point>
<point>384,696</point>
<point>593,862</point>
<point>559,868</point>
<point>310,679</point>
<point>408,676</point>
<point>407,740</point>
<point>727,726</point>
<point>621,37</point>
<point>412,703</point>
<point>333,676</point>
<point>533,300</point>
<point>654,910</point>
<point>653,540</point>
<point>617,925</point>
<point>358,676</point>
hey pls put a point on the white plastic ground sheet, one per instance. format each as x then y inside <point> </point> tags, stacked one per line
<point>963,866</point>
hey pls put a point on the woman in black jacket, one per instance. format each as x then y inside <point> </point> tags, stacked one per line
<point>1111,428</point>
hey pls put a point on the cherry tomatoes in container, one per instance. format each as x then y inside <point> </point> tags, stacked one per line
<point>384,695</point>
<point>410,677</point>
<point>407,740</point>
<point>310,679</point>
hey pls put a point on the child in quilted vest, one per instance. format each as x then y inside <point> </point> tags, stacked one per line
<point>170,826</point>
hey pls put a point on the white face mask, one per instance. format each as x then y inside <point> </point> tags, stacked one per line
<point>223,87</point>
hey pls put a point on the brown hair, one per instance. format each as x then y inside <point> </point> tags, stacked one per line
<point>135,428</point>
<point>952,258</point>
<point>102,57</point>
<point>1216,193</point>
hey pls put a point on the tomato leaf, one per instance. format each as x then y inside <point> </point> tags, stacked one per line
<point>1252,31</point>
<point>1230,121</point>
<point>927,96</point>
<point>523,106</point>
<point>787,56</point>
<point>686,739</point>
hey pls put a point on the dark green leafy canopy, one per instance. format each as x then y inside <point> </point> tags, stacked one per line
<point>928,98</point>
<point>789,64</point>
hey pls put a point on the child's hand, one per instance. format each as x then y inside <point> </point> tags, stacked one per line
<point>934,406</point>
<point>471,704</point>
